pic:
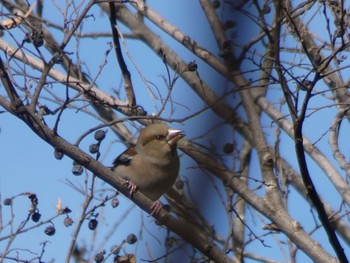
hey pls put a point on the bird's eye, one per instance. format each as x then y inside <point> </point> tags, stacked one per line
<point>160,137</point>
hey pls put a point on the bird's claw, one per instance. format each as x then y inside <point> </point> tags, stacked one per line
<point>155,208</point>
<point>131,187</point>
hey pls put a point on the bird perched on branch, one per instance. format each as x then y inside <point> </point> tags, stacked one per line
<point>151,165</point>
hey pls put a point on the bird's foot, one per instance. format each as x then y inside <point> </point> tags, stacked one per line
<point>155,208</point>
<point>131,187</point>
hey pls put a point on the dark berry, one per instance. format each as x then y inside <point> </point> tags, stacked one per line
<point>8,201</point>
<point>36,217</point>
<point>92,224</point>
<point>131,239</point>
<point>228,148</point>
<point>58,155</point>
<point>100,257</point>
<point>67,222</point>
<point>93,148</point>
<point>114,202</point>
<point>50,230</point>
<point>37,38</point>
<point>99,135</point>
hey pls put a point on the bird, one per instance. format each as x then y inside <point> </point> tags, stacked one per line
<point>152,164</point>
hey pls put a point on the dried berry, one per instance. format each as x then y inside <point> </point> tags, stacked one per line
<point>99,135</point>
<point>58,155</point>
<point>67,222</point>
<point>36,217</point>
<point>131,239</point>
<point>37,38</point>
<point>93,148</point>
<point>92,224</point>
<point>100,257</point>
<point>228,148</point>
<point>50,230</point>
<point>114,202</point>
<point>8,201</point>
<point>77,169</point>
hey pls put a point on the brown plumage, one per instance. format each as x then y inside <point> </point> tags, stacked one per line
<point>151,165</point>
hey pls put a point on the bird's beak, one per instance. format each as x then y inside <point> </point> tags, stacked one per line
<point>174,136</point>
